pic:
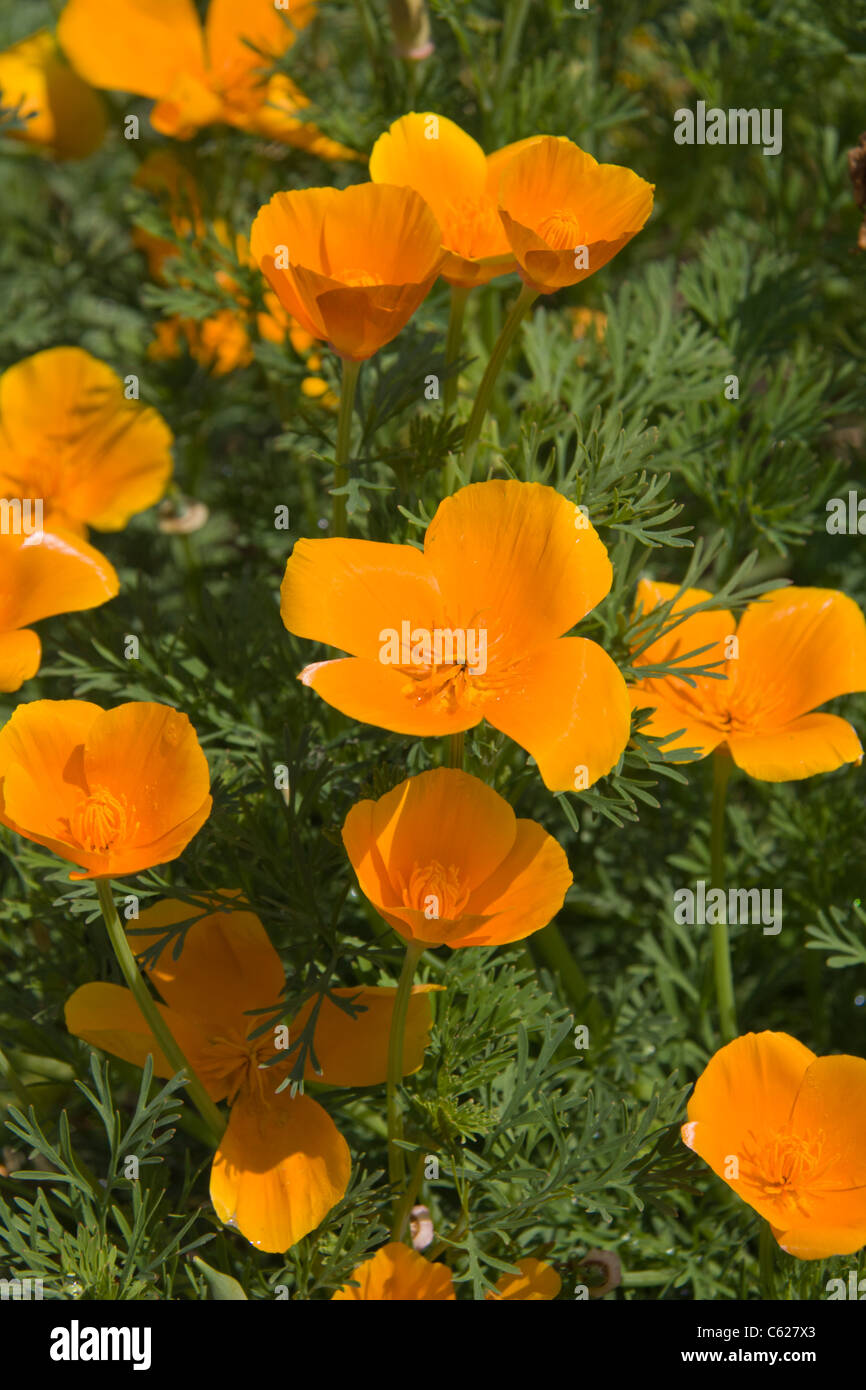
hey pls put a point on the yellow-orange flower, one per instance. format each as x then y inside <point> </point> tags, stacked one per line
<point>198,76</point>
<point>219,343</point>
<point>787,1132</point>
<point>794,649</point>
<point>514,564</point>
<point>565,215</point>
<point>69,436</point>
<point>61,113</point>
<point>451,172</point>
<point>282,1163</point>
<point>351,265</point>
<point>42,574</point>
<point>397,1274</point>
<point>113,791</point>
<point>443,858</point>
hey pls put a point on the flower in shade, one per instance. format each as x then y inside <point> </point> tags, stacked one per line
<point>351,265</point>
<point>396,1273</point>
<point>42,574</point>
<point>794,650</point>
<point>58,111</point>
<point>451,172</point>
<point>443,858</point>
<point>787,1132</point>
<point>564,214</point>
<point>69,436</point>
<point>513,563</point>
<point>282,1163</point>
<point>197,75</point>
<point>114,791</point>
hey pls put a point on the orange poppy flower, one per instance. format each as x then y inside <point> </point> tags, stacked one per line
<point>351,265</point>
<point>794,649</point>
<point>396,1273</point>
<point>61,113</point>
<point>506,569</point>
<point>565,215</point>
<point>282,1163</point>
<point>787,1132</point>
<point>443,858</point>
<point>197,76</point>
<point>40,575</point>
<point>451,172</point>
<point>68,435</point>
<point>220,343</point>
<point>114,791</point>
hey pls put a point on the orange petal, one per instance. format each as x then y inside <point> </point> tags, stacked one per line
<point>234,32</point>
<point>281,1167</point>
<point>354,1051</point>
<point>816,743</point>
<point>41,768</point>
<point>669,715</point>
<point>20,655</point>
<point>397,1273</point>
<point>346,593</point>
<point>44,573</point>
<point>509,557</point>
<point>132,45</point>
<point>60,110</point>
<point>383,696</point>
<point>107,1017</point>
<point>537,1280</point>
<point>524,893</point>
<point>567,704</point>
<point>798,649</point>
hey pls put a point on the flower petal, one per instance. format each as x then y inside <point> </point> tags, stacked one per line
<point>354,1051</point>
<point>132,45</point>
<point>107,1017</point>
<point>47,573</point>
<point>41,766</point>
<point>537,1280</point>
<point>816,743</point>
<point>383,696</point>
<point>398,1274</point>
<point>524,893</point>
<point>20,655</point>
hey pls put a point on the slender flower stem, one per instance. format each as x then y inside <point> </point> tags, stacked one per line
<point>351,371</point>
<point>552,946</point>
<point>459,296</point>
<point>766,1261</point>
<point>154,1019</point>
<point>15,1082</point>
<point>404,1206</point>
<point>524,300</point>
<point>456,743</point>
<point>396,1166</point>
<point>722,767</point>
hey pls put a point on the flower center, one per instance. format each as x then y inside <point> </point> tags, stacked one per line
<point>472,225</point>
<point>100,821</point>
<point>786,1168</point>
<point>354,277</point>
<point>239,1063</point>
<point>435,890</point>
<point>561,230</point>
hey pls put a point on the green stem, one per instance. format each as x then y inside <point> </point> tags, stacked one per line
<point>456,745</point>
<point>459,297</point>
<point>407,1201</point>
<point>766,1261</point>
<point>15,1082</point>
<point>154,1019</point>
<point>551,945</point>
<point>344,439</point>
<point>524,300</point>
<point>396,1166</point>
<point>722,767</point>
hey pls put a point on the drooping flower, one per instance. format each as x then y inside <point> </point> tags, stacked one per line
<point>60,112</point>
<point>507,568</point>
<point>198,76</point>
<point>282,1163</point>
<point>564,214</point>
<point>42,574</point>
<point>792,650</point>
<point>397,1274</point>
<point>786,1130</point>
<point>351,265</point>
<point>69,436</point>
<point>443,858</point>
<point>113,791</point>
<point>451,172</point>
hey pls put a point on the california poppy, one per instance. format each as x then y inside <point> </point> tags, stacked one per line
<point>787,1132</point>
<point>451,172</point>
<point>397,1274</point>
<point>443,858</point>
<point>351,265</point>
<point>564,214</point>
<point>508,565</point>
<point>114,791</point>
<point>69,436</point>
<point>791,651</point>
<point>198,76</point>
<point>60,113</point>
<point>282,1163</point>
<point>42,574</point>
